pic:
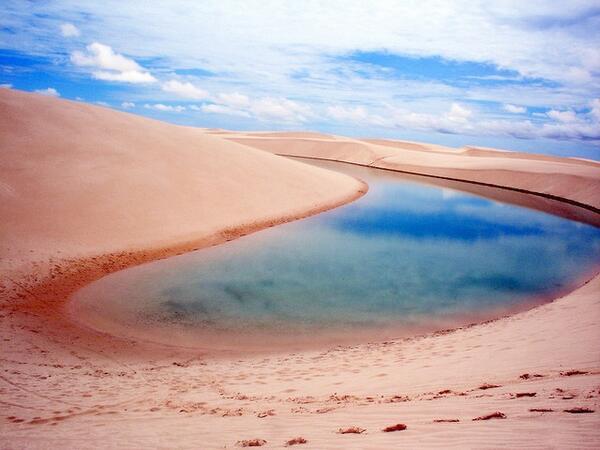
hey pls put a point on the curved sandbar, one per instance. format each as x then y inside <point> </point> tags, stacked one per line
<point>110,393</point>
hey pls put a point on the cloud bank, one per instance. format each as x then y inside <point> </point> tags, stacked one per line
<point>512,69</point>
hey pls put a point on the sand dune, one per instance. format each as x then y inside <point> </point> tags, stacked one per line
<point>90,180</point>
<point>566,178</point>
<point>85,191</point>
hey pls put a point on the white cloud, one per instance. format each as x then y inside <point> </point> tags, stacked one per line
<point>50,92</point>
<point>563,125</point>
<point>6,86</point>
<point>104,57</point>
<point>277,109</point>
<point>342,114</point>
<point>571,125</point>
<point>131,76</point>
<point>514,109</point>
<point>69,30</point>
<point>112,66</point>
<point>222,109</point>
<point>184,89</point>
<point>281,109</point>
<point>561,43</point>
<point>234,100</point>
<point>127,105</point>
<point>562,116</point>
<point>459,113</point>
<point>456,119</point>
<point>165,108</point>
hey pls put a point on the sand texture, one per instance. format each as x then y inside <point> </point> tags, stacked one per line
<point>85,191</point>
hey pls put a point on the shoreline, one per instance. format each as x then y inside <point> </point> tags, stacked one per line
<point>328,341</point>
<point>462,180</point>
<point>53,294</point>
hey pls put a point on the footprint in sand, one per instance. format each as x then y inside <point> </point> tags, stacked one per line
<point>494,415</point>
<point>571,373</point>
<point>486,386</point>
<point>578,410</point>
<point>251,443</point>
<point>524,394</point>
<point>397,427</point>
<point>296,441</point>
<point>351,430</point>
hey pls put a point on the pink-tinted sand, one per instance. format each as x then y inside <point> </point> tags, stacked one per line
<point>85,191</point>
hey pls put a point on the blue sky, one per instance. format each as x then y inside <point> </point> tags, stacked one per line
<point>517,75</point>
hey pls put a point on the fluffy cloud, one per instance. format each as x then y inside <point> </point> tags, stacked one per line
<point>570,125</point>
<point>281,109</point>
<point>127,105</point>
<point>223,109</point>
<point>562,116</point>
<point>275,109</point>
<point>50,92</point>
<point>459,113</point>
<point>340,113</point>
<point>184,89</point>
<point>458,119</point>
<point>6,86</point>
<point>234,100</point>
<point>111,66</point>
<point>514,109</point>
<point>165,108</point>
<point>125,77</point>
<point>69,30</point>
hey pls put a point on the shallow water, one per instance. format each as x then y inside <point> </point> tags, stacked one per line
<point>407,257</point>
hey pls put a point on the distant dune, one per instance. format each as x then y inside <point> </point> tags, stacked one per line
<point>570,179</point>
<point>85,191</point>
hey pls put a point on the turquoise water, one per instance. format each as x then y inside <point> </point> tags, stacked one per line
<point>406,257</point>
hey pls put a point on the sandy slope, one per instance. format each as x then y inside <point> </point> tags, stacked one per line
<point>90,179</point>
<point>107,190</point>
<point>567,178</point>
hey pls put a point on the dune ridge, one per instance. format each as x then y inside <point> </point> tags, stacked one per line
<point>156,190</point>
<point>570,179</point>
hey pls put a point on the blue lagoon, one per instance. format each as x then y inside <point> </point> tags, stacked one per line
<point>408,257</point>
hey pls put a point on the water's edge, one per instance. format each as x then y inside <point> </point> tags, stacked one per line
<point>73,313</point>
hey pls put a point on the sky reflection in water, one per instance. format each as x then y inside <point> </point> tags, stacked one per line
<point>406,253</point>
